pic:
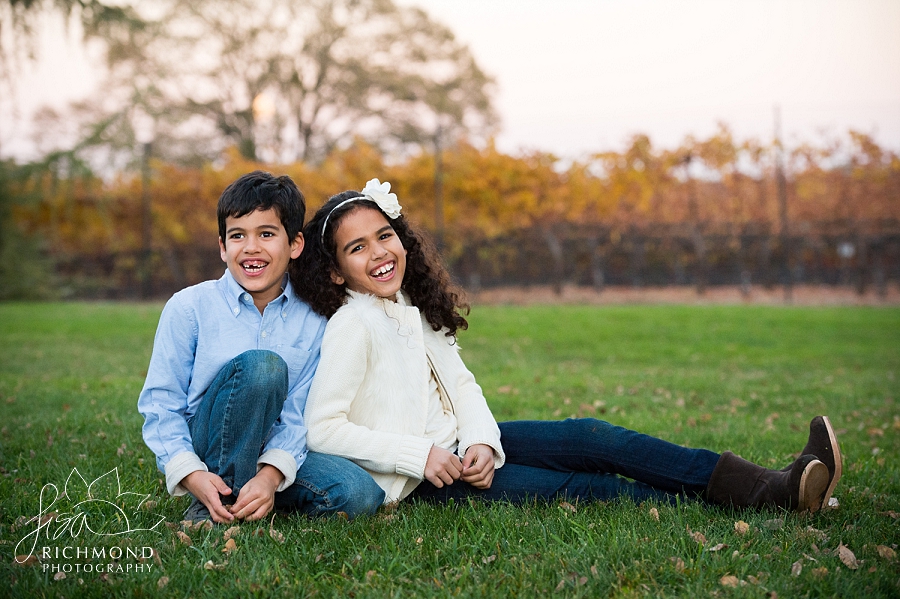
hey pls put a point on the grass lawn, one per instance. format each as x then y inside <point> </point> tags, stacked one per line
<point>746,379</point>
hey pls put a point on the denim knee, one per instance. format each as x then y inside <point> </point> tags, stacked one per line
<point>261,363</point>
<point>358,495</point>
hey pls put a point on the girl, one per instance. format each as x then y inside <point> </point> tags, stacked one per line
<point>392,394</point>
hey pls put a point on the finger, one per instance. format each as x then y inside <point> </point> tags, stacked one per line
<point>217,511</point>
<point>433,479</point>
<point>220,485</point>
<point>260,512</point>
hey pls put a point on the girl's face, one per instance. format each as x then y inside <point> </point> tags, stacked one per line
<point>370,257</point>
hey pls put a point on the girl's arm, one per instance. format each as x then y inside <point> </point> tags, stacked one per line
<point>341,372</point>
<point>475,422</point>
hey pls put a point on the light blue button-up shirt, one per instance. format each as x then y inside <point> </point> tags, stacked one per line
<point>202,328</point>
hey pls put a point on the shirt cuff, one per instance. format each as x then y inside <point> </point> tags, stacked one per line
<point>180,466</point>
<point>282,460</point>
<point>413,455</point>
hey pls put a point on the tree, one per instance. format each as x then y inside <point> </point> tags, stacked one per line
<point>283,80</point>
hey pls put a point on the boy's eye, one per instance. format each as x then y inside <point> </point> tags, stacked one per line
<point>235,236</point>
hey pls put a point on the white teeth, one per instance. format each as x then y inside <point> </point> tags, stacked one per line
<point>383,270</point>
<point>253,267</point>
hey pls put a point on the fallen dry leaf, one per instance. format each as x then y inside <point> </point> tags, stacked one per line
<point>277,536</point>
<point>796,568</point>
<point>26,560</point>
<point>741,527</point>
<point>729,581</point>
<point>718,547</point>
<point>595,572</point>
<point>163,581</point>
<point>886,552</point>
<point>59,576</point>
<point>820,572</point>
<point>370,575</point>
<point>488,559</point>
<point>774,524</point>
<point>678,562</point>
<point>699,537</point>
<point>654,513</point>
<point>847,557</point>
<point>567,506</point>
<point>230,546</point>
<point>184,538</point>
<point>231,532</point>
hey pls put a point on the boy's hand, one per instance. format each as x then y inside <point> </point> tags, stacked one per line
<point>478,466</point>
<point>257,497</point>
<point>206,487</point>
<point>442,467</point>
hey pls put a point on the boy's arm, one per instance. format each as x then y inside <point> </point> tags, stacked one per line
<point>163,400</point>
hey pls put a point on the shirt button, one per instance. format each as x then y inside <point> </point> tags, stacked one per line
<point>284,314</point>
<point>236,310</point>
<point>265,334</point>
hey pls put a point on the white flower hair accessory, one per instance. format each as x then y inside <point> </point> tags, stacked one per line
<point>379,193</point>
<point>376,191</point>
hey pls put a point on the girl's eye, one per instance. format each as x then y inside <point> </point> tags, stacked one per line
<point>356,248</point>
<point>385,235</point>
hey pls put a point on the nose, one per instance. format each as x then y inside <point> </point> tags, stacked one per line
<point>378,251</point>
<point>252,245</point>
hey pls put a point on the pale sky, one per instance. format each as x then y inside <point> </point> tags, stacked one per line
<point>581,76</point>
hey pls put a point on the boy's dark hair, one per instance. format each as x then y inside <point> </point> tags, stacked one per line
<point>426,281</point>
<point>260,190</point>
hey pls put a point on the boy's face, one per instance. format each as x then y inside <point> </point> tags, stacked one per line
<point>257,251</point>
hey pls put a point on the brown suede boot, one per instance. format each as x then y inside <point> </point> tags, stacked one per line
<point>740,483</point>
<point>823,444</point>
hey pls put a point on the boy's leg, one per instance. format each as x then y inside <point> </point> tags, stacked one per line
<point>590,445</point>
<point>236,413</point>
<point>328,484</point>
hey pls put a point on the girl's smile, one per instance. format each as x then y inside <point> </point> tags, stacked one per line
<point>369,254</point>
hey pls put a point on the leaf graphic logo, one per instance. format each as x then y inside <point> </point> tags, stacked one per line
<point>99,507</point>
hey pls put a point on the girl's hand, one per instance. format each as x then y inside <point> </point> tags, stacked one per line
<point>442,467</point>
<point>478,466</point>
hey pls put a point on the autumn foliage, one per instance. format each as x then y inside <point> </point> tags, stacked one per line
<point>512,218</point>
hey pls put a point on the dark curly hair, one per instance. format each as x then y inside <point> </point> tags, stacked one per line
<point>425,281</point>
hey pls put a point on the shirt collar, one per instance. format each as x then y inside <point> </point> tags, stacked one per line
<point>237,297</point>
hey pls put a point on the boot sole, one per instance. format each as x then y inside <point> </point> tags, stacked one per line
<point>838,462</point>
<point>813,483</point>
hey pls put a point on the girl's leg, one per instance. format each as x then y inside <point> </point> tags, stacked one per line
<point>590,445</point>
<point>517,484</point>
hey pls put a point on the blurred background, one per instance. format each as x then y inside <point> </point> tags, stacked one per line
<point>749,145</point>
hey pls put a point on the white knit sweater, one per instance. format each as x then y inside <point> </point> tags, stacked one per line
<point>369,398</point>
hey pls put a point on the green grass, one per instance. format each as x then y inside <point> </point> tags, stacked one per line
<point>747,379</point>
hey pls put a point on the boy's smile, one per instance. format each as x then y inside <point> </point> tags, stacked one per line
<point>257,251</point>
<point>370,257</point>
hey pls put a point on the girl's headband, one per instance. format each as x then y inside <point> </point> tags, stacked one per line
<point>377,192</point>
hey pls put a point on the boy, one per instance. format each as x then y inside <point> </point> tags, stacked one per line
<point>231,367</point>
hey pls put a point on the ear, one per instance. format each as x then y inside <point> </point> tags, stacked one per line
<point>336,278</point>
<point>297,246</point>
<point>222,254</point>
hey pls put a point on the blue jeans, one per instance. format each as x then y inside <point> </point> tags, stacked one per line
<point>585,459</point>
<point>231,426</point>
